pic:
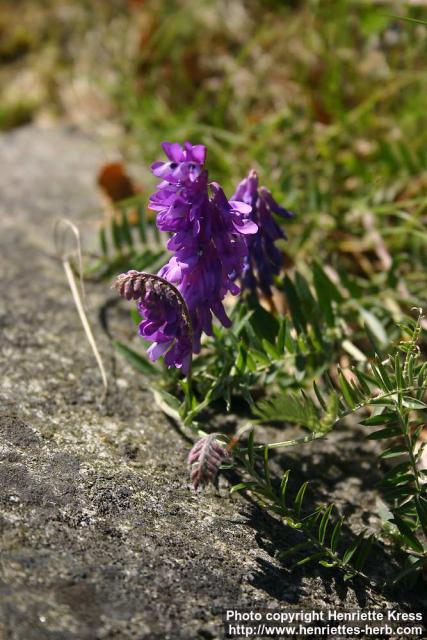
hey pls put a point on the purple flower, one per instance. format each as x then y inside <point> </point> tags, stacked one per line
<point>208,235</point>
<point>265,259</point>
<point>166,320</point>
<point>185,163</point>
<point>205,459</point>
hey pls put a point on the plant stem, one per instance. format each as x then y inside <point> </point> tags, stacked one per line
<point>271,502</point>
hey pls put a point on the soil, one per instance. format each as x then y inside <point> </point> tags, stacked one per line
<point>102,536</point>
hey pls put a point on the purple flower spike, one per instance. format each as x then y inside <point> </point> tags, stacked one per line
<point>265,259</point>
<point>166,319</point>
<point>205,459</point>
<point>236,215</point>
<point>208,235</point>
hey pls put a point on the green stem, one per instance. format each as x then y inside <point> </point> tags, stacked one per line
<point>272,502</point>
<point>413,463</point>
<point>287,443</point>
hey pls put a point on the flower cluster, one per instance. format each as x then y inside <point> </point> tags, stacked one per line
<point>205,459</point>
<point>208,235</point>
<point>215,241</point>
<point>166,320</point>
<point>265,259</point>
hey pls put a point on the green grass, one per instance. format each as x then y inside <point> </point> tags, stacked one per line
<point>325,99</point>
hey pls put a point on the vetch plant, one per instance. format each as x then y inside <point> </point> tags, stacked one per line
<point>166,317</point>
<point>226,264</point>
<point>216,242</point>
<point>319,529</point>
<point>394,388</point>
<point>208,235</point>
<point>205,459</point>
<point>264,260</point>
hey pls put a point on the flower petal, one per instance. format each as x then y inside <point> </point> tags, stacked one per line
<point>158,349</point>
<point>244,225</point>
<point>173,150</point>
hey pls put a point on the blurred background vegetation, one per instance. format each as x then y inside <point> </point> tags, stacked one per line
<point>325,98</point>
